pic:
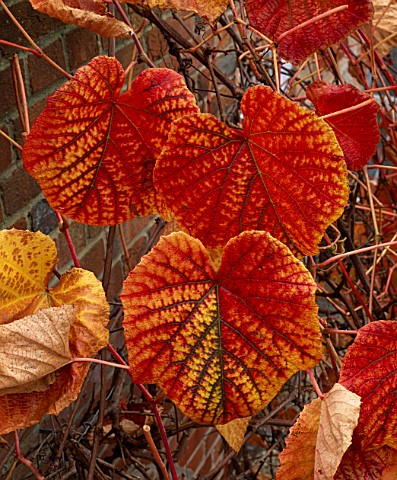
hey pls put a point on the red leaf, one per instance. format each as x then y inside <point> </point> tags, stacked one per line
<point>222,344</point>
<point>357,464</point>
<point>93,150</point>
<point>357,131</point>
<point>369,370</point>
<point>284,173</point>
<point>275,17</point>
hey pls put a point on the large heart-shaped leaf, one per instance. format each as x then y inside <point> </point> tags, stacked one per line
<point>273,18</point>
<point>93,149</point>
<point>89,14</point>
<point>26,262</point>
<point>221,344</point>
<point>284,173</point>
<point>370,370</point>
<point>357,131</point>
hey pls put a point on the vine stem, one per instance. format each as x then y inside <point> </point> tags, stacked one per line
<point>336,331</point>
<point>312,20</point>
<point>349,109</point>
<point>64,227</point>
<point>355,252</point>
<point>156,412</point>
<point>31,41</point>
<point>315,384</point>
<point>101,362</point>
<point>3,134</point>
<point>24,460</point>
<point>20,47</point>
<point>153,448</point>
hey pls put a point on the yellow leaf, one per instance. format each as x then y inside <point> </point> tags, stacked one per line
<point>234,432</point>
<point>26,262</point>
<point>33,349</point>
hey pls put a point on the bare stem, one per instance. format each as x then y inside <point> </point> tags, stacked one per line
<point>153,448</point>
<point>315,384</point>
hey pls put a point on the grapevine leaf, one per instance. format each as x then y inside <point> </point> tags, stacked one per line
<point>89,14</point>
<point>357,131</point>
<point>279,16</point>
<point>221,344</point>
<point>359,464</point>
<point>26,262</point>
<point>25,269</point>
<point>339,416</point>
<point>369,370</point>
<point>210,10</point>
<point>283,173</point>
<point>390,472</point>
<point>34,348</point>
<point>385,23</point>
<point>297,458</point>
<point>321,436</point>
<point>234,432</point>
<point>93,149</point>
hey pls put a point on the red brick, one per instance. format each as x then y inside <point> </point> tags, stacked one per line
<point>5,151</point>
<point>78,236</point>
<point>124,55</point>
<point>34,111</point>
<point>94,259</point>
<point>7,91</point>
<point>21,224</point>
<point>157,45</point>
<point>116,281</point>
<point>82,46</point>
<point>188,451</point>
<point>94,231</point>
<point>42,74</point>
<point>36,23</point>
<point>18,190</point>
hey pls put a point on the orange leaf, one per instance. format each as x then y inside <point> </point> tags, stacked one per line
<point>369,369</point>
<point>210,10</point>
<point>234,432</point>
<point>357,131</point>
<point>93,149</point>
<point>25,269</point>
<point>34,348</point>
<point>279,16</point>
<point>220,345</point>
<point>321,436</point>
<point>85,14</point>
<point>297,458</point>
<point>358,464</point>
<point>284,173</point>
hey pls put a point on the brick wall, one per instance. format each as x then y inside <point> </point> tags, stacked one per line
<point>22,204</point>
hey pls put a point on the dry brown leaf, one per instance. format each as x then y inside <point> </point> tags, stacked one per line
<point>387,26</point>
<point>234,432</point>
<point>89,14</point>
<point>210,10</point>
<point>26,262</point>
<point>339,416</point>
<point>34,348</point>
<point>297,458</point>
